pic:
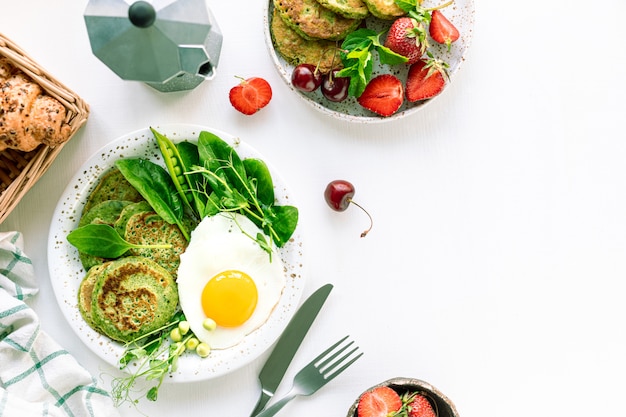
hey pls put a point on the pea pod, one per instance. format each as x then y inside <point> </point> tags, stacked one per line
<point>175,166</point>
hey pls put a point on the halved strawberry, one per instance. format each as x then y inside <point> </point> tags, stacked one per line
<point>379,402</point>
<point>420,407</point>
<point>250,95</point>
<point>383,95</point>
<point>426,79</point>
<point>407,37</point>
<point>442,30</point>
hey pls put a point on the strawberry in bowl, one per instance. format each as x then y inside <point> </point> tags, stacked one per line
<point>407,397</point>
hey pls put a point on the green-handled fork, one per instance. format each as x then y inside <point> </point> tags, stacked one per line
<point>317,373</point>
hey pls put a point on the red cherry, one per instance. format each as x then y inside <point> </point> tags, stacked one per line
<point>338,196</point>
<point>335,88</point>
<point>306,77</point>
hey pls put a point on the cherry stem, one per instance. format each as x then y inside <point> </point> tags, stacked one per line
<point>368,215</point>
<point>441,6</point>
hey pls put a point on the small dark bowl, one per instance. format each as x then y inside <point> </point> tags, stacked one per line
<point>442,404</point>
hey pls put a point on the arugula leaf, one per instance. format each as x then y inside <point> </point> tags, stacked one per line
<point>357,58</point>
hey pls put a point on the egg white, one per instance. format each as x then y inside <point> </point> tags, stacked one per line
<point>218,244</point>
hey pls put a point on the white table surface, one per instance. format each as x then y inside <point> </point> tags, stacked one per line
<point>495,266</point>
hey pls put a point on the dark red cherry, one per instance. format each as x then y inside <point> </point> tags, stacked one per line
<point>338,196</point>
<point>335,88</point>
<point>306,78</point>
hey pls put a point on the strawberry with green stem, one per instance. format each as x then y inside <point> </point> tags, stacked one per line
<point>417,405</point>
<point>410,35</point>
<point>442,30</point>
<point>426,78</point>
<point>407,36</point>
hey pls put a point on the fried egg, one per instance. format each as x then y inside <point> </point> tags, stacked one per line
<point>224,275</point>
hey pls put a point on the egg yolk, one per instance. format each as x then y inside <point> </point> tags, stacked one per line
<point>229,298</point>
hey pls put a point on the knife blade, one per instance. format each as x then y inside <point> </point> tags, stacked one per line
<point>276,365</point>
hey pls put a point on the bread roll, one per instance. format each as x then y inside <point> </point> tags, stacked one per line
<point>28,116</point>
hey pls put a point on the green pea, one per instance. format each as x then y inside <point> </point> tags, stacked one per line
<point>176,335</point>
<point>183,326</point>
<point>209,324</point>
<point>203,350</point>
<point>192,343</point>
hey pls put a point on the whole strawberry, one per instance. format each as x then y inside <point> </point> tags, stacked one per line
<point>407,37</point>
<point>419,406</point>
<point>426,79</point>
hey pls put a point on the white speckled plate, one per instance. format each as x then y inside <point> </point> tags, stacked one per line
<point>460,13</point>
<point>66,271</point>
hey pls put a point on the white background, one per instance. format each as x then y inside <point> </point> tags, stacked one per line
<point>494,269</point>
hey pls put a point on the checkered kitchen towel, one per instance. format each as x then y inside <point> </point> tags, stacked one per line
<point>37,376</point>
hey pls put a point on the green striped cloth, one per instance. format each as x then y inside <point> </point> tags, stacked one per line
<point>37,376</point>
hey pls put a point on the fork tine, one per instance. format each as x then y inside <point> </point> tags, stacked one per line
<point>327,364</point>
<point>343,368</point>
<point>327,351</point>
<point>332,372</point>
<point>330,358</point>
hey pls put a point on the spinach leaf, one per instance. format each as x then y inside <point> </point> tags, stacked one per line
<point>103,240</point>
<point>156,186</point>
<point>260,180</point>
<point>198,187</point>
<point>220,158</point>
<point>285,220</point>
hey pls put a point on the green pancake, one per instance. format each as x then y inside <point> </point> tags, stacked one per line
<point>85,291</point>
<point>111,186</point>
<point>297,50</point>
<point>351,9</point>
<point>313,21</point>
<point>128,212</point>
<point>384,9</point>
<point>148,228</point>
<point>131,297</point>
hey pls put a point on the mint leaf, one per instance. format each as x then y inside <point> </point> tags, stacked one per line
<point>406,5</point>
<point>389,57</point>
<point>357,59</point>
<point>359,39</point>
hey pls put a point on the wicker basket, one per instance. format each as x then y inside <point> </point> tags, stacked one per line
<point>20,170</point>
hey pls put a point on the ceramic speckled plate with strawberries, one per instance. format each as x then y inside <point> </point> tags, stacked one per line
<point>460,14</point>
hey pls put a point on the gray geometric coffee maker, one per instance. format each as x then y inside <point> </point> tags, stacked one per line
<point>171,45</point>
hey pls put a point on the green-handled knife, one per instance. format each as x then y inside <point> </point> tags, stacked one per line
<point>287,345</point>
